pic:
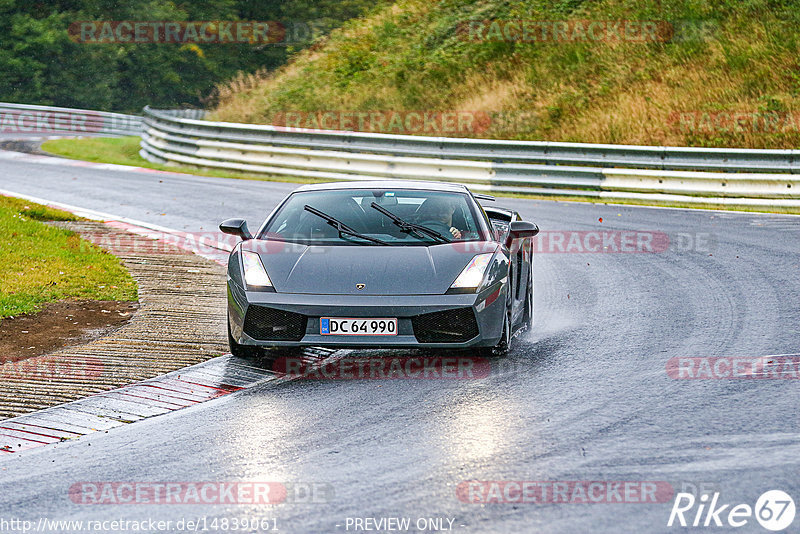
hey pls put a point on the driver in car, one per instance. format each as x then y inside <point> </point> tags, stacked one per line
<point>437,214</point>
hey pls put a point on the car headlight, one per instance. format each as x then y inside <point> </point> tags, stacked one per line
<point>254,273</point>
<point>471,277</point>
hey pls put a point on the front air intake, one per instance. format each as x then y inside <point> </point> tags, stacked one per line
<point>268,324</point>
<point>449,326</point>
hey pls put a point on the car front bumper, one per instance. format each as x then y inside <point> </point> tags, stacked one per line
<point>488,308</point>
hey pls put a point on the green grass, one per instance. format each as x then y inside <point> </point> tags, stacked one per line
<point>124,151</point>
<point>635,202</point>
<point>725,56</point>
<point>36,212</point>
<point>119,150</point>
<point>40,263</point>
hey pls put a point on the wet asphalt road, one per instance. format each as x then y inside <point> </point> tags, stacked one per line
<point>584,396</point>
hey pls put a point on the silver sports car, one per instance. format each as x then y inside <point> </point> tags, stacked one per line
<point>381,264</point>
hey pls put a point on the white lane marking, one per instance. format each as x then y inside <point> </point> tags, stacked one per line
<point>84,212</point>
<point>185,240</point>
<point>217,373</point>
<point>110,409</point>
<point>54,160</point>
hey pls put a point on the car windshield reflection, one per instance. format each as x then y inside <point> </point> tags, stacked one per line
<point>375,218</point>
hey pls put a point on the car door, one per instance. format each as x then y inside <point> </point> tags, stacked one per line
<point>519,270</point>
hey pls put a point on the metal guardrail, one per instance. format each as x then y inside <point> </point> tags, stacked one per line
<point>174,137</point>
<point>45,120</point>
<point>543,152</point>
<point>713,176</point>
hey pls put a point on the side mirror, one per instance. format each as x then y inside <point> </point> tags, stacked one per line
<point>520,230</point>
<point>237,227</point>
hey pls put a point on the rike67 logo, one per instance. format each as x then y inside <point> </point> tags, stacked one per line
<point>774,510</point>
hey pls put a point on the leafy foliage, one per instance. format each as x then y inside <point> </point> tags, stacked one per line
<point>716,56</point>
<point>41,64</point>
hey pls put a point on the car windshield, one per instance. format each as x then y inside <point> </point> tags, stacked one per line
<point>393,217</point>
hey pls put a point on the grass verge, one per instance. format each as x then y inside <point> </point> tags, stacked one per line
<point>645,203</point>
<point>40,263</point>
<point>714,74</point>
<point>125,151</point>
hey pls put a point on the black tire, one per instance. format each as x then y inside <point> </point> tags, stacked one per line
<point>527,317</point>
<point>504,345</point>
<point>241,351</point>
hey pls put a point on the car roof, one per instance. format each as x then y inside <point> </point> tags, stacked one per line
<point>386,184</point>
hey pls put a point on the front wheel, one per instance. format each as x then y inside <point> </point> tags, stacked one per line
<point>504,345</point>
<point>527,317</point>
<point>241,351</point>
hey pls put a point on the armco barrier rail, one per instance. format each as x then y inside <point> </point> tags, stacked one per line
<point>44,120</point>
<point>713,176</point>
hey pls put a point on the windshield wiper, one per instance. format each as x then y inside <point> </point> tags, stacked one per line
<point>341,227</point>
<point>409,227</point>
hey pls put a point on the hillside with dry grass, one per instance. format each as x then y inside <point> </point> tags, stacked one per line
<point>696,73</point>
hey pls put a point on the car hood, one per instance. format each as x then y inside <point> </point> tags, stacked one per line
<point>394,270</point>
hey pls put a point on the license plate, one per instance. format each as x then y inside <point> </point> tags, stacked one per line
<point>337,326</point>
